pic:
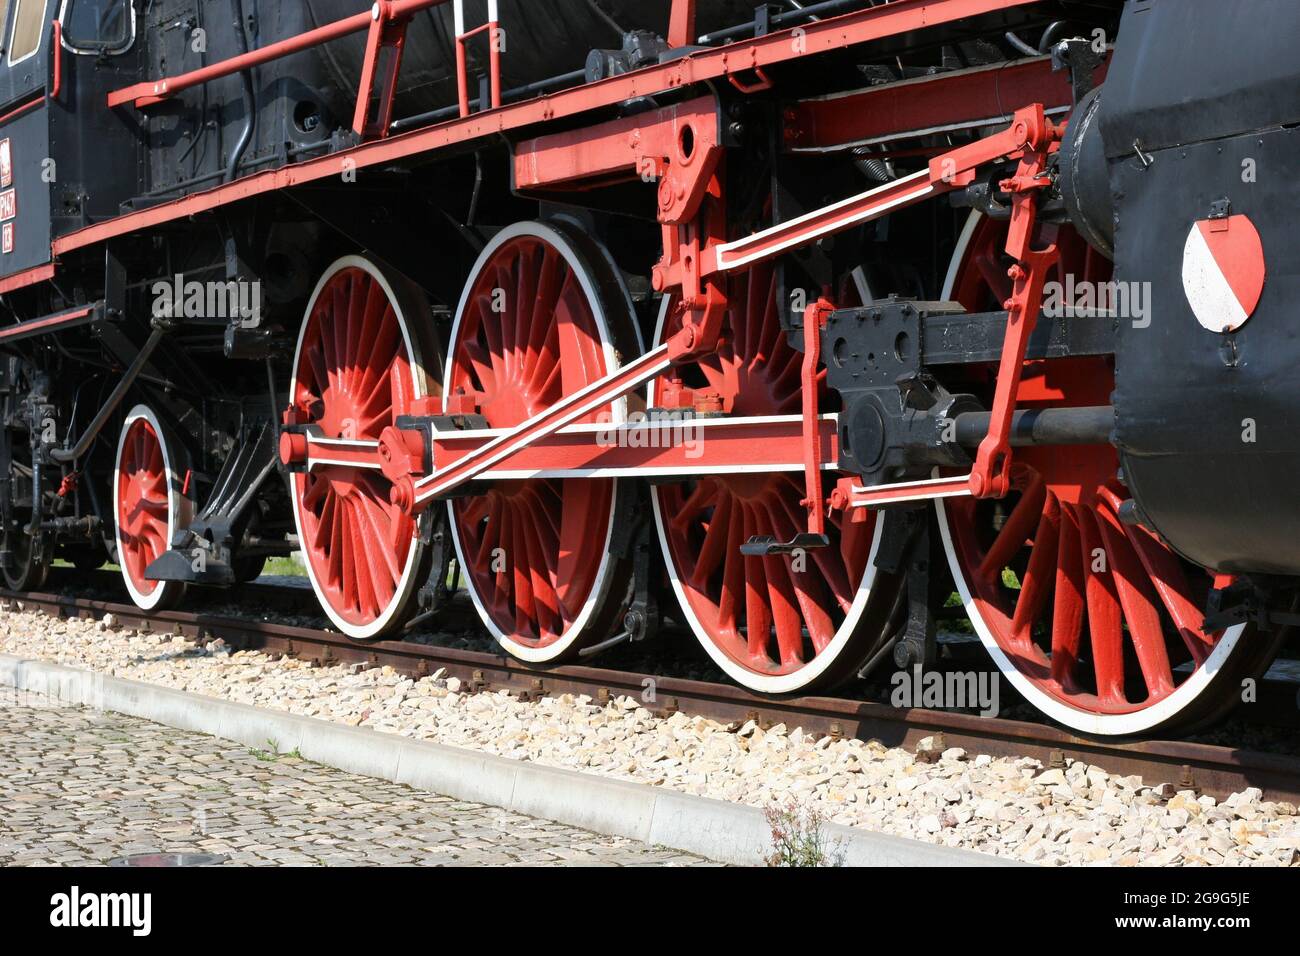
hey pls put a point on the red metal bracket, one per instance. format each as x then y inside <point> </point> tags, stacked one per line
<point>385,43</point>
<point>991,476</point>
<point>681,24</point>
<point>814,318</point>
<point>760,85</point>
<point>679,146</point>
<point>702,303</point>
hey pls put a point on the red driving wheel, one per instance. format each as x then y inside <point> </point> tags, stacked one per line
<point>775,623</point>
<point>543,315</point>
<point>1094,621</point>
<point>361,362</point>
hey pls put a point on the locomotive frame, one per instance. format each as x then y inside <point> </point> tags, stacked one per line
<point>694,217</point>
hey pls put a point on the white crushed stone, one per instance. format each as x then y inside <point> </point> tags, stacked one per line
<point>1078,814</point>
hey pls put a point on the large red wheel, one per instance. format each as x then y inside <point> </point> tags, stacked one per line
<point>1095,622</point>
<point>543,314</point>
<point>780,623</point>
<point>362,360</point>
<point>149,505</point>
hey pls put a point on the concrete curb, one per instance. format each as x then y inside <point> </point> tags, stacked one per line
<point>726,832</point>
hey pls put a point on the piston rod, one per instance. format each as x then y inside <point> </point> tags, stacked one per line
<point>1043,426</point>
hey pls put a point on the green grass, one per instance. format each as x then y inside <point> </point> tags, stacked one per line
<point>284,567</point>
<point>272,754</point>
<point>60,563</point>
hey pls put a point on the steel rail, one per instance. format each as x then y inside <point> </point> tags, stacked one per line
<point>1205,768</point>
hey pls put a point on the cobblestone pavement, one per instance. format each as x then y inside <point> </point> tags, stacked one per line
<point>80,787</point>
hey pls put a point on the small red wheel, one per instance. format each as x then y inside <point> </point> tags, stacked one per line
<point>781,623</point>
<point>544,314</point>
<point>1095,622</point>
<point>361,362</point>
<point>149,505</point>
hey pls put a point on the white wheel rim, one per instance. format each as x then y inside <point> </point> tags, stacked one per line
<point>598,594</point>
<point>407,581</point>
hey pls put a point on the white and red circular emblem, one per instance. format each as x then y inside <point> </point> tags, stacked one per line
<point>1223,271</point>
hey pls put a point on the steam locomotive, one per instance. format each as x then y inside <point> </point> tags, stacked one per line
<point>820,329</point>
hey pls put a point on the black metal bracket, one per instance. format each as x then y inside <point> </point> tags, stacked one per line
<point>761,545</point>
<point>642,618</point>
<point>1245,602</point>
<point>1078,56</point>
<point>435,593</point>
<point>217,529</point>
<point>897,538</point>
<point>917,645</point>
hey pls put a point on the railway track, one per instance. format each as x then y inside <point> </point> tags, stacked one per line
<point>1206,768</point>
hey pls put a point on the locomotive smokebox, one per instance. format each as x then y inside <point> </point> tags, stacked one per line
<point>1200,140</point>
<point>1085,185</point>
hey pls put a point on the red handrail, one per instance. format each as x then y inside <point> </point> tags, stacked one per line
<point>56,85</point>
<point>155,91</point>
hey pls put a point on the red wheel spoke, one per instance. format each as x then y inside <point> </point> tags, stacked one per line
<point>1139,609</point>
<point>733,571</point>
<point>785,616</point>
<point>1104,615</point>
<point>375,317</point>
<point>575,569</point>
<point>491,538</point>
<point>525,302</point>
<point>374,528</point>
<point>833,572</point>
<point>994,274</point>
<point>548,514</point>
<point>758,616</point>
<point>579,357</point>
<point>717,541</point>
<point>362,574</point>
<point>1036,585</point>
<point>541,564</point>
<point>704,495</point>
<point>1170,582</point>
<point>1069,606</point>
<point>1020,523</point>
<point>810,592</point>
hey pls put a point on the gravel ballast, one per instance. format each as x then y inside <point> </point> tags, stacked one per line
<point>1018,809</point>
